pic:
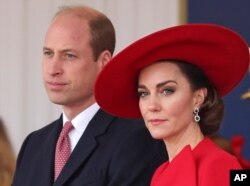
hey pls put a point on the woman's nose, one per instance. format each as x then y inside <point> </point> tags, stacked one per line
<point>153,104</point>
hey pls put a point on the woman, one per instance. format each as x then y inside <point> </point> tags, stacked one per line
<point>175,80</point>
<point>7,158</point>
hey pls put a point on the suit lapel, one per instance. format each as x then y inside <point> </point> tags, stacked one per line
<point>48,153</point>
<point>86,145</point>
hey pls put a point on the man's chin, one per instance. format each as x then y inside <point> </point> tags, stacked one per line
<point>56,101</point>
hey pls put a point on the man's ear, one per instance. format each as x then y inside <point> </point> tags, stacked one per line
<point>200,96</point>
<point>104,58</point>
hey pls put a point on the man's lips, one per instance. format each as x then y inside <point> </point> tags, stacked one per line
<point>56,85</point>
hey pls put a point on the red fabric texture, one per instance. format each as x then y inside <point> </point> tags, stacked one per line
<point>205,165</point>
<point>237,143</point>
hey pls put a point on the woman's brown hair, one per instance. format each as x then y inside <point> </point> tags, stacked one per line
<point>7,158</point>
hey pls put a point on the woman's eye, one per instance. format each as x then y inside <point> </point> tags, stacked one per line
<point>168,91</point>
<point>142,94</point>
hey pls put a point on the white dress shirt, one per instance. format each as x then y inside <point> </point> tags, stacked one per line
<point>80,122</point>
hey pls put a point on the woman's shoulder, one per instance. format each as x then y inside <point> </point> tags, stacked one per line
<point>214,164</point>
<point>210,155</point>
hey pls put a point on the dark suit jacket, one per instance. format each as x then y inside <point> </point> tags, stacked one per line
<point>111,152</point>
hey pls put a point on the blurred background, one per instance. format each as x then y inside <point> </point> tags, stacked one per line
<point>24,106</point>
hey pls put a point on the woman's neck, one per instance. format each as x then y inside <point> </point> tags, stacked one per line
<point>175,144</point>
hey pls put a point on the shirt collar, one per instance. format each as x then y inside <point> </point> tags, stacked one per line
<point>81,121</point>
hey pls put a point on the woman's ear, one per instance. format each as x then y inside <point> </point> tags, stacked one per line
<point>200,96</point>
<point>104,58</point>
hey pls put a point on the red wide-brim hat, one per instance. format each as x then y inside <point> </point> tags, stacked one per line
<point>221,53</point>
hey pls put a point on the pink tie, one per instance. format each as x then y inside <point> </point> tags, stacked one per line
<point>62,148</point>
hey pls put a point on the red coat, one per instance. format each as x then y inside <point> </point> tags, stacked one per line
<point>205,165</point>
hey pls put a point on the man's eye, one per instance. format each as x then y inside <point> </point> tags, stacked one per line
<point>70,56</point>
<point>47,53</point>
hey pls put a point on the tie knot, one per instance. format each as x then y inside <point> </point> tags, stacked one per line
<point>67,128</point>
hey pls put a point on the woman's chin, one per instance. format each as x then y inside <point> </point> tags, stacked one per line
<point>157,136</point>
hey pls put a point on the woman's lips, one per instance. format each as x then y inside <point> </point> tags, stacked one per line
<point>156,121</point>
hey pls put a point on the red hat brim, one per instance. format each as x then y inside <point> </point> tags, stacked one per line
<point>220,52</point>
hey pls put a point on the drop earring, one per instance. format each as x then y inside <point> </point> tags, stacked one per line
<point>197,118</point>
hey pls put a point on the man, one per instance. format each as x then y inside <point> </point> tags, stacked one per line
<point>105,150</point>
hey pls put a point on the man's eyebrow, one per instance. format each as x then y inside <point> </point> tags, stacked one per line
<point>46,48</point>
<point>63,50</point>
